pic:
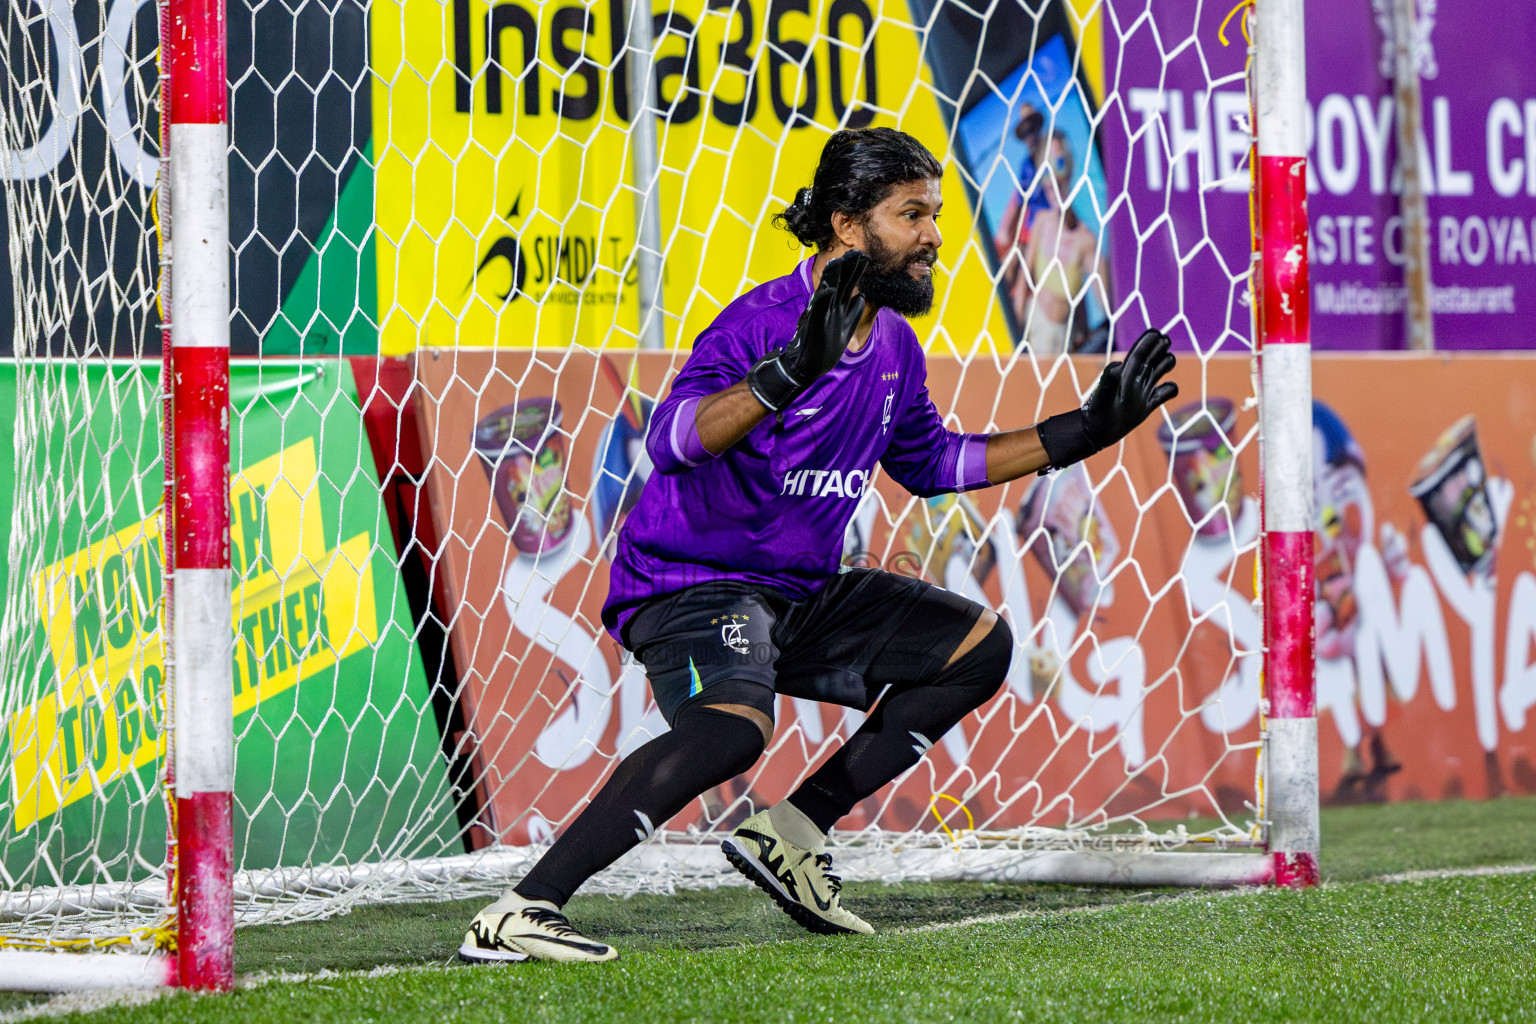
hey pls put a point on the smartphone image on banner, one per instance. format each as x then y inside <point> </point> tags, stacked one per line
<point>1032,167</point>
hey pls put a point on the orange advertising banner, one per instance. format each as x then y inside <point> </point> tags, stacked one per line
<point>1129,583</point>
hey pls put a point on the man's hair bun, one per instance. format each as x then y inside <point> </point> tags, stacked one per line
<point>858,170</point>
<point>799,220</point>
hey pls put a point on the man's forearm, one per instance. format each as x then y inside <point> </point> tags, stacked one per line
<point>1014,454</point>
<point>726,417</point>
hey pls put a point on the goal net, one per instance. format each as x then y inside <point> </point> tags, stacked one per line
<point>471,244</point>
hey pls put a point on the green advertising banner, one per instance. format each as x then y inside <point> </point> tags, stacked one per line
<point>337,746</point>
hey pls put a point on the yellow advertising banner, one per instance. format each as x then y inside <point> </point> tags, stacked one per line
<point>505,177</point>
<point>299,608</point>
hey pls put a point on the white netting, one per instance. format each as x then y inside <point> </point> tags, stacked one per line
<point>424,693</point>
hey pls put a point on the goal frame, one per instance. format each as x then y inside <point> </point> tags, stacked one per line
<point>192,205</point>
<point>1283,343</point>
<point>195,343</point>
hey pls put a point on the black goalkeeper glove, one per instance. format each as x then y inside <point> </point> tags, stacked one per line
<point>1126,394</point>
<point>820,339</point>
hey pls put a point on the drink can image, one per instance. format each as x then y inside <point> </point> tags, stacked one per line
<point>523,454</point>
<point>1069,534</point>
<point>1451,485</point>
<point>1204,465</point>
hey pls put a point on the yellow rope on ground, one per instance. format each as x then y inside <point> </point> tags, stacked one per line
<point>162,935</point>
<point>970,821</point>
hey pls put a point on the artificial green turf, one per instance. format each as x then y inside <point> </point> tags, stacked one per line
<point>425,933</point>
<point>1358,842</point>
<point>1449,949</point>
<point>1323,955</point>
<point>11,1002</point>
<point>1380,839</point>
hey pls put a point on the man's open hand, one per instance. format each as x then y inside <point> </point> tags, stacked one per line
<point>825,329</point>
<point>1126,394</point>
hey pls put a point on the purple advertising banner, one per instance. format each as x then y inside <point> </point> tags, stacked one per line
<point>1174,135</point>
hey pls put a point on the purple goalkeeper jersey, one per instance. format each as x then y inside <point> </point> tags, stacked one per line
<point>772,510</point>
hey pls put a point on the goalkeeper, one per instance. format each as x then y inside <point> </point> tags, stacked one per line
<point>727,585</point>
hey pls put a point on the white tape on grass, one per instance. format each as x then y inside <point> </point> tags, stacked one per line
<point>67,1004</point>
<point>1157,898</point>
<point>1429,876</point>
<point>1145,899</point>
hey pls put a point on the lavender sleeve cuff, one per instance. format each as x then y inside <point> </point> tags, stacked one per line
<point>971,463</point>
<point>673,441</point>
<point>684,434</point>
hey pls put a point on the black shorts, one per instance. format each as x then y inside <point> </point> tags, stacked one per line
<point>865,630</point>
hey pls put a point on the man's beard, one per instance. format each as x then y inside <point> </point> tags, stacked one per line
<point>888,282</point>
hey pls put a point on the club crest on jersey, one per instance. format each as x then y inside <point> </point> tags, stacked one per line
<point>885,414</point>
<point>825,483</point>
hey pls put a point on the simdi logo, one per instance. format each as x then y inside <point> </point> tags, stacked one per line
<point>299,608</point>
<point>552,258</point>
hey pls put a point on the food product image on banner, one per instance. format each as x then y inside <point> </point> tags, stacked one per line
<point>1070,535</point>
<point>1042,213</point>
<point>1450,486</point>
<point>522,452</point>
<point>1205,470</point>
<point>943,541</point>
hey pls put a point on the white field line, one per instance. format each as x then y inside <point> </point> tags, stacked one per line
<point>84,1002</point>
<point>1145,899</point>
<point>102,999</point>
<point>1150,898</point>
<point>1422,876</point>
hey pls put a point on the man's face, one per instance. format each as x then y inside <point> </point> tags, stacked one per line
<point>901,239</point>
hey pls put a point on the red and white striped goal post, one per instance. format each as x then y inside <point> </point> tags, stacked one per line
<point>1282,338</point>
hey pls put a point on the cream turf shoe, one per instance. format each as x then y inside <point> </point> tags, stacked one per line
<point>514,929</point>
<point>799,879</point>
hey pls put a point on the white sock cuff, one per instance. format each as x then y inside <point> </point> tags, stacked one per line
<point>791,823</point>
<point>511,901</point>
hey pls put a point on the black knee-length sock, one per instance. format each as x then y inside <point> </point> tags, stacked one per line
<point>705,747</point>
<point>902,728</point>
